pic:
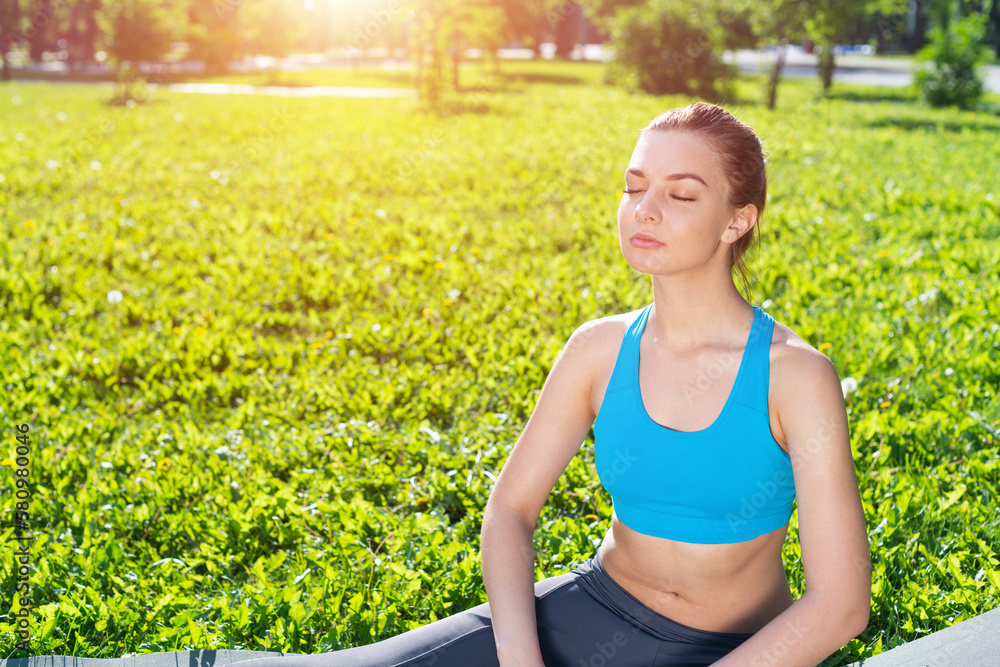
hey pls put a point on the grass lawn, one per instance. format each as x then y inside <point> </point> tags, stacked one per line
<point>273,352</point>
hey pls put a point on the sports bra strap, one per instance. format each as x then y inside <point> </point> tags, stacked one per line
<point>628,353</point>
<point>751,388</point>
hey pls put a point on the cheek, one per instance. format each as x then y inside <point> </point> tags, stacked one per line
<point>624,210</point>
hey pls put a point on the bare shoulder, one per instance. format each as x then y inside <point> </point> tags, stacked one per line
<point>794,361</point>
<point>598,338</point>
<point>804,384</point>
<point>594,347</point>
<point>796,366</point>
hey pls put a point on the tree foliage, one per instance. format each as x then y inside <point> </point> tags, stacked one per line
<point>272,27</point>
<point>956,54</point>
<point>140,31</point>
<point>669,46</point>
<point>826,24</point>
<point>10,18</point>
<point>214,34</point>
<point>443,29</point>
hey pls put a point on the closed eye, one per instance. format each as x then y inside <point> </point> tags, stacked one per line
<point>632,192</point>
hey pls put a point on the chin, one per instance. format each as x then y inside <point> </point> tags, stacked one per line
<point>639,263</point>
<point>642,267</point>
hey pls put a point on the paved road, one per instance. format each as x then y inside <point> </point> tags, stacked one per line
<point>851,68</point>
<point>861,69</point>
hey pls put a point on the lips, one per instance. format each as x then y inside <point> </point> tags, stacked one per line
<point>643,240</point>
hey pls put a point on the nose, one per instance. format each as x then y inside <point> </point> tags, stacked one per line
<point>645,210</point>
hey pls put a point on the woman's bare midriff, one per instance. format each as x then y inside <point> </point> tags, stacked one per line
<point>737,587</point>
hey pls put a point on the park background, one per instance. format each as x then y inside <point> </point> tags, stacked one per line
<point>272,349</point>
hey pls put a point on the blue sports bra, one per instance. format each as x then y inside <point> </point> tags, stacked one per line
<point>730,482</point>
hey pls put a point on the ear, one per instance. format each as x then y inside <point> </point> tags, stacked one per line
<point>744,218</point>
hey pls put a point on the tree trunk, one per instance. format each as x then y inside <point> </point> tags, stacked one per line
<point>418,71</point>
<point>37,34</point>
<point>10,13</point>
<point>567,29</point>
<point>92,32</point>
<point>438,64</point>
<point>826,66</point>
<point>995,20</point>
<point>772,88</point>
<point>456,58</point>
<point>881,45</point>
<point>917,21</point>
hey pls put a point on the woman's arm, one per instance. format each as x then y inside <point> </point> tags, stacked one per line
<point>832,533</point>
<point>557,427</point>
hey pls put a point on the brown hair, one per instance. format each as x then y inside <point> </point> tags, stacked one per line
<point>741,156</point>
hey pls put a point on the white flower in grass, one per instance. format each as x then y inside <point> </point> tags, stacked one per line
<point>847,385</point>
<point>114,296</point>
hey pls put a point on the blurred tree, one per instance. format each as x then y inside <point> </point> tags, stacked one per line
<point>10,19</point>
<point>941,12</point>
<point>737,19</point>
<point>781,22</point>
<point>444,28</point>
<point>272,27</point>
<point>924,13</point>
<point>887,23</point>
<point>826,24</point>
<point>214,32</point>
<point>481,24</point>
<point>140,31</point>
<point>994,22</point>
<point>671,46</point>
<point>40,28</point>
<point>82,32</point>
<point>957,52</point>
<point>567,28</point>
<point>528,21</point>
<point>319,29</point>
<point>916,25</point>
<point>602,12</point>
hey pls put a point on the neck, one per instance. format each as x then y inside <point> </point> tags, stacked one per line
<point>689,312</point>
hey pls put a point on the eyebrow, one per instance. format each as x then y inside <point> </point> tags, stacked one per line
<point>671,177</point>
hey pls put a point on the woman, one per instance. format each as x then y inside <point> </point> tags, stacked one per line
<point>709,419</point>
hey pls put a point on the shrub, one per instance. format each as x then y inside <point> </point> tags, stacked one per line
<point>665,47</point>
<point>956,54</point>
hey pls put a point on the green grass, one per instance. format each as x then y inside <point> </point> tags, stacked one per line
<point>337,314</point>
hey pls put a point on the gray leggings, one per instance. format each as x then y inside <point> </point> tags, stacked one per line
<point>585,619</point>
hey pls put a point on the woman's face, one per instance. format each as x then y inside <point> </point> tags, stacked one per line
<point>677,196</point>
